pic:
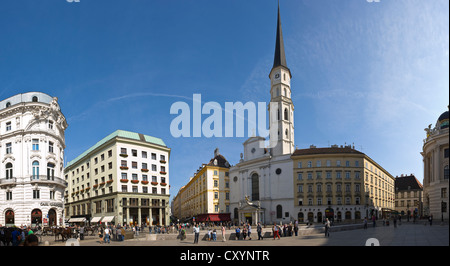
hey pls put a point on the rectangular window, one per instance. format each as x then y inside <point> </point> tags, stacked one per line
<point>35,194</point>
<point>35,143</point>
<point>8,148</point>
<point>50,146</point>
<point>8,126</point>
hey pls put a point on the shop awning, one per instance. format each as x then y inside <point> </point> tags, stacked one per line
<point>213,217</point>
<point>96,219</point>
<point>107,219</point>
<point>77,220</point>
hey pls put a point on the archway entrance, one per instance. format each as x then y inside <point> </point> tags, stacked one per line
<point>310,217</point>
<point>319,217</point>
<point>9,218</point>
<point>36,217</point>
<point>52,217</point>
<point>300,217</point>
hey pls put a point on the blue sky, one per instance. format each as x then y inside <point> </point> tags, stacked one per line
<point>372,74</point>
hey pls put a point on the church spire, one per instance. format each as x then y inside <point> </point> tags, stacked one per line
<point>279,58</point>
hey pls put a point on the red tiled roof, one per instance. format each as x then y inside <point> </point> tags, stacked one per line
<point>332,150</point>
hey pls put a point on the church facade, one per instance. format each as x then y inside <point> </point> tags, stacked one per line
<point>261,183</point>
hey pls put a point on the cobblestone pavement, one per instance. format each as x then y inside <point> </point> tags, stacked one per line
<point>407,234</point>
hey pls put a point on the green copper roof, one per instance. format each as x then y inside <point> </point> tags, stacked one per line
<point>122,134</point>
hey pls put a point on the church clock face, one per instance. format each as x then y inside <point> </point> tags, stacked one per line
<point>277,76</point>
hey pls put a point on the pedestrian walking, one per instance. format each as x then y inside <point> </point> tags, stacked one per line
<point>275,231</point>
<point>196,233</point>
<point>82,233</point>
<point>100,234</point>
<point>296,228</point>
<point>119,234</point>
<point>249,231</point>
<point>327,228</point>
<point>122,230</point>
<point>365,222</point>
<point>107,235</point>
<point>223,234</point>
<point>259,231</point>
<point>214,235</point>
<point>244,232</point>
<point>373,220</point>
<point>430,219</point>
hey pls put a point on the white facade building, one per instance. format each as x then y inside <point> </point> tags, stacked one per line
<point>261,183</point>
<point>435,155</point>
<point>32,147</point>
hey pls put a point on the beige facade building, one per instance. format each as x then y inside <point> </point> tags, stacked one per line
<point>124,178</point>
<point>340,183</point>
<point>435,155</point>
<point>408,196</point>
<point>206,197</point>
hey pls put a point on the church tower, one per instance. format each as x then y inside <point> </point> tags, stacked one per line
<point>280,100</point>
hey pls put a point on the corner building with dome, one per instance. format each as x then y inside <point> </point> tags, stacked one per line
<point>32,147</point>
<point>435,155</point>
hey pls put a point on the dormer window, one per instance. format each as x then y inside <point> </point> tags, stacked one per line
<point>34,99</point>
<point>8,104</point>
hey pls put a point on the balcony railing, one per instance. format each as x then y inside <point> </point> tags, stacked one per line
<point>43,179</point>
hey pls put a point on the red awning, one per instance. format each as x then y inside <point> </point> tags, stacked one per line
<point>213,217</point>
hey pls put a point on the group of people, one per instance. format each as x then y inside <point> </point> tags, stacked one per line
<point>211,234</point>
<point>18,236</point>
<point>246,231</point>
<point>116,233</point>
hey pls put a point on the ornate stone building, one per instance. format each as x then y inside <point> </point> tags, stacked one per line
<point>32,147</point>
<point>435,160</point>
<point>340,183</point>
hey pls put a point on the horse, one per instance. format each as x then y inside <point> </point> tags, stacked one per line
<point>65,233</point>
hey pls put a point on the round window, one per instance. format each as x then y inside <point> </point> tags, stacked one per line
<point>278,171</point>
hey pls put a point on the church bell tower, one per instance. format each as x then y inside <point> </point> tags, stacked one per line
<point>280,92</point>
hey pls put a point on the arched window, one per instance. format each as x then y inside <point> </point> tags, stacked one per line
<point>35,170</point>
<point>286,114</point>
<point>255,187</point>
<point>8,104</point>
<point>9,171</point>
<point>34,99</point>
<point>50,171</point>
<point>279,211</point>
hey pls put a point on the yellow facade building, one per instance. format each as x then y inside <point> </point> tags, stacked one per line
<point>206,197</point>
<point>340,183</point>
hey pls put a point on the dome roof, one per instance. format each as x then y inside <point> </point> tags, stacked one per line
<point>443,120</point>
<point>444,116</point>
